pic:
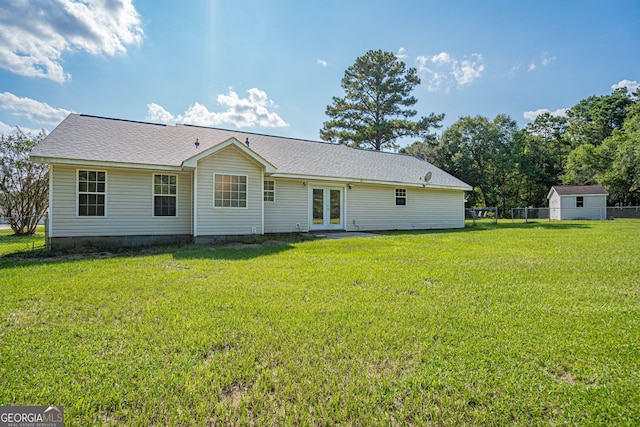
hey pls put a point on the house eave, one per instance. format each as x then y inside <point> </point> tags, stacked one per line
<point>103,163</point>
<point>584,195</point>
<point>366,181</point>
<point>576,195</point>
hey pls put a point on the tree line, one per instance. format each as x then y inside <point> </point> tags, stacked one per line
<point>597,141</point>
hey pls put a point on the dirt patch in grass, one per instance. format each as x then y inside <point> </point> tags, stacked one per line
<point>241,245</point>
<point>562,376</point>
<point>75,255</point>
<point>234,394</point>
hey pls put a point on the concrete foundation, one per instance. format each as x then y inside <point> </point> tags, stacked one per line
<point>111,242</point>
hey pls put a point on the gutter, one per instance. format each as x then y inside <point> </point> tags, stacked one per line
<point>63,161</point>
<point>368,181</point>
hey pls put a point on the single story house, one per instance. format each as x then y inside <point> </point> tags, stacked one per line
<point>120,182</point>
<point>577,202</point>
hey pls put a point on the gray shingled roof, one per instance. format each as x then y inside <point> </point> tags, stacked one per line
<point>101,140</point>
<point>579,190</point>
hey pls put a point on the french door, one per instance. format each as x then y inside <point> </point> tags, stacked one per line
<point>326,208</point>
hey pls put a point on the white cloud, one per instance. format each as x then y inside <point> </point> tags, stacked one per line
<point>321,62</point>
<point>422,62</point>
<point>532,115</point>
<point>442,70</point>
<point>156,113</point>
<point>632,86</point>
<point>547,60</point>
<point>402,54</point>
<point>468,70</point>
<point>35,34</point>
<point>34,111</point>
<point>5,129</point>
<point>241,112</point>
<point>435,80</point>
<point>441,58</point>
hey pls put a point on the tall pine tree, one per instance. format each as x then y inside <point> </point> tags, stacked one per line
<point>377,107</point>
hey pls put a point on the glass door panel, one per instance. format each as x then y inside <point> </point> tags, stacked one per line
<point>335,208</point>
<point>318,206</point>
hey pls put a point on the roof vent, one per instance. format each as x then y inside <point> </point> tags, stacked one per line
<point>247,142</point>
<point>197,143</point>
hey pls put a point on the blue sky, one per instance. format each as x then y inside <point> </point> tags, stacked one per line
<point>272,66</point>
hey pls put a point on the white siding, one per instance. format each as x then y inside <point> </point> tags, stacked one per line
<point>129,205</point>
<point>554,206</point>
<point>372,207</point>
<point>290,208</point>
<point>567,205</point>
<point>228,221</point>
<point>594,207</point>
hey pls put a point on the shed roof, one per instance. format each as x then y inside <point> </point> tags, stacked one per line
<point>579,190</point>
<point>138,144</point>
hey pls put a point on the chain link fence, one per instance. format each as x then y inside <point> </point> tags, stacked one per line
<point>611,212</point>
<point>614,212</point>
<point>527,214</point>
<point>486,214</point>
<point>10,243</point>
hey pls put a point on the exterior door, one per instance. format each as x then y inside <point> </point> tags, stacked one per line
<point>326,208</point>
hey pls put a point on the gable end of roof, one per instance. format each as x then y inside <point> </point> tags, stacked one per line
<point>231,142</point>
<point>578,190</point>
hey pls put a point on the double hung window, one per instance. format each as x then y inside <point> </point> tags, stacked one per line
<point>165,195</point>
<point>401,197</point>
<point>269,191</point>
<point>92,192</point>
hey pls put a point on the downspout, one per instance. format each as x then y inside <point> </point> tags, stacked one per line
<point>344,210</point>
<point>195,203</point>
<point>49,227</point>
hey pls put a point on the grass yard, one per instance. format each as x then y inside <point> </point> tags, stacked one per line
<point>10,244</point>
<point>514,324</point>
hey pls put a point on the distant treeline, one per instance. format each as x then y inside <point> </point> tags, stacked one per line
<point>596,142</point>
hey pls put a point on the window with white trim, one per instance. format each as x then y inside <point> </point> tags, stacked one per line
<point>269,191</point>
<point>579,202</point>
<point>165,195</point>
<point>230,191</point>
<point>401,197</point>
<point>92,191</point>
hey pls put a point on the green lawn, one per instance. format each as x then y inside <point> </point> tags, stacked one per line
<point>515,324</point>
<point>10,244</point>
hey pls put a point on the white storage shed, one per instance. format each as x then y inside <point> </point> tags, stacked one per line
<point>577,202</point>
